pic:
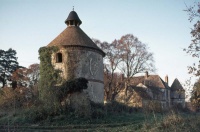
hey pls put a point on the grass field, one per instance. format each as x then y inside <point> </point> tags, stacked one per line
<point>138,121</point>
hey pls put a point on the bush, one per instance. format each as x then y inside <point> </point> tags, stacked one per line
<point>71,86</point>
<point>74,85</point>
<point>116,107</point>
<point>98,110</point>
<point>80,104</point>
<point>13,99</point>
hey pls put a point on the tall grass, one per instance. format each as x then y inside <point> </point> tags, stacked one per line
<point>109,117</point>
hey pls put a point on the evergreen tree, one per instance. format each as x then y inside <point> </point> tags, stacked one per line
<point>8,64</point>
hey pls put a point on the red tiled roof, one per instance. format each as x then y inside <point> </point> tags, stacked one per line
<point>151,80</point>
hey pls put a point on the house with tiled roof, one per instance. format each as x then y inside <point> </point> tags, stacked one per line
<point>151,91</point>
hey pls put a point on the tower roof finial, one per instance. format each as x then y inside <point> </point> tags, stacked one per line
<point>73,19</point>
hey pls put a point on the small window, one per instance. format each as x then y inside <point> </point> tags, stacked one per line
<point>58,57</point>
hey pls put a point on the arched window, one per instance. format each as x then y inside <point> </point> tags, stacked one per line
<point>58,57</point>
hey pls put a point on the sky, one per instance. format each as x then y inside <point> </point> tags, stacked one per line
<point>27,25</point>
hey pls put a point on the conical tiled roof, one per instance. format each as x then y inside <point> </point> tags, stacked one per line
<point>176,85</point>
<point>73,36</point>
<point>73,16</point>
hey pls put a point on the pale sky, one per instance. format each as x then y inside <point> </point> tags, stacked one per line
<point>27,25</point>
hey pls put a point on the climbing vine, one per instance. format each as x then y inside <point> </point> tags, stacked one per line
<point>49,76</point>
<point>50,93</point>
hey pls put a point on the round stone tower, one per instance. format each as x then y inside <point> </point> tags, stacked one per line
<point>79,56</point>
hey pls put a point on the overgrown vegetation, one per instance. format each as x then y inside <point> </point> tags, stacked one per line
<point>53,90</point>
<point>195,96</point>
<point>74,85</point>
<point>49,77</point>
<point>111,117</point>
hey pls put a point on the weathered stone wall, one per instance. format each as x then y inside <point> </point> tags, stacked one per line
<point>79,62</point>
<point>59,66</point>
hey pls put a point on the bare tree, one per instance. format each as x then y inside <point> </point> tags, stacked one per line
<point>127,54</point>
<point>194,50</point>
<point>135,57</point>
<point>111,61</point>
<point>194,47</point>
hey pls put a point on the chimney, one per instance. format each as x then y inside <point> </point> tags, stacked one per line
<point>166,79</point>
<point>146,74</point>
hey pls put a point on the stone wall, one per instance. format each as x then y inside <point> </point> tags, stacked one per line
<point>80,62</point>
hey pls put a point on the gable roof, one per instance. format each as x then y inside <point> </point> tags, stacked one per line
<point>176,85</point>
<point>150,81</point>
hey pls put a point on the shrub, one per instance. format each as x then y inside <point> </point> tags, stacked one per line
<point>74,85</point>
<point>13,99</point>
<point>97,110</point>
<point>116,107</point>
<point>171,119</point>
<point>80,104</point>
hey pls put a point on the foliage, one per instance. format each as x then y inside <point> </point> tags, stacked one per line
<point>195,97</point>
<point>74,85</point>
<point>26,77</point>
<point>49,77</point>
<point>20,77</point>
<point>40,119</point>
<point>52,89</point>
<point>194,48</point>
<point>173,122</point>
<point>15,99</point>
<point>71,86</point>
<point>34,73</point>
<point>8,64</point>
<point>113,108</point>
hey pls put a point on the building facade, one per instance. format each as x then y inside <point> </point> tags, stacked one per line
<point>79,56</point>
<point>151,91</point>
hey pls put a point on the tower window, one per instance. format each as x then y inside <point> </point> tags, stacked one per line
<point>58,57</point>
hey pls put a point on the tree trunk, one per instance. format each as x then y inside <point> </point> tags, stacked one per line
<point>4,83</point>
